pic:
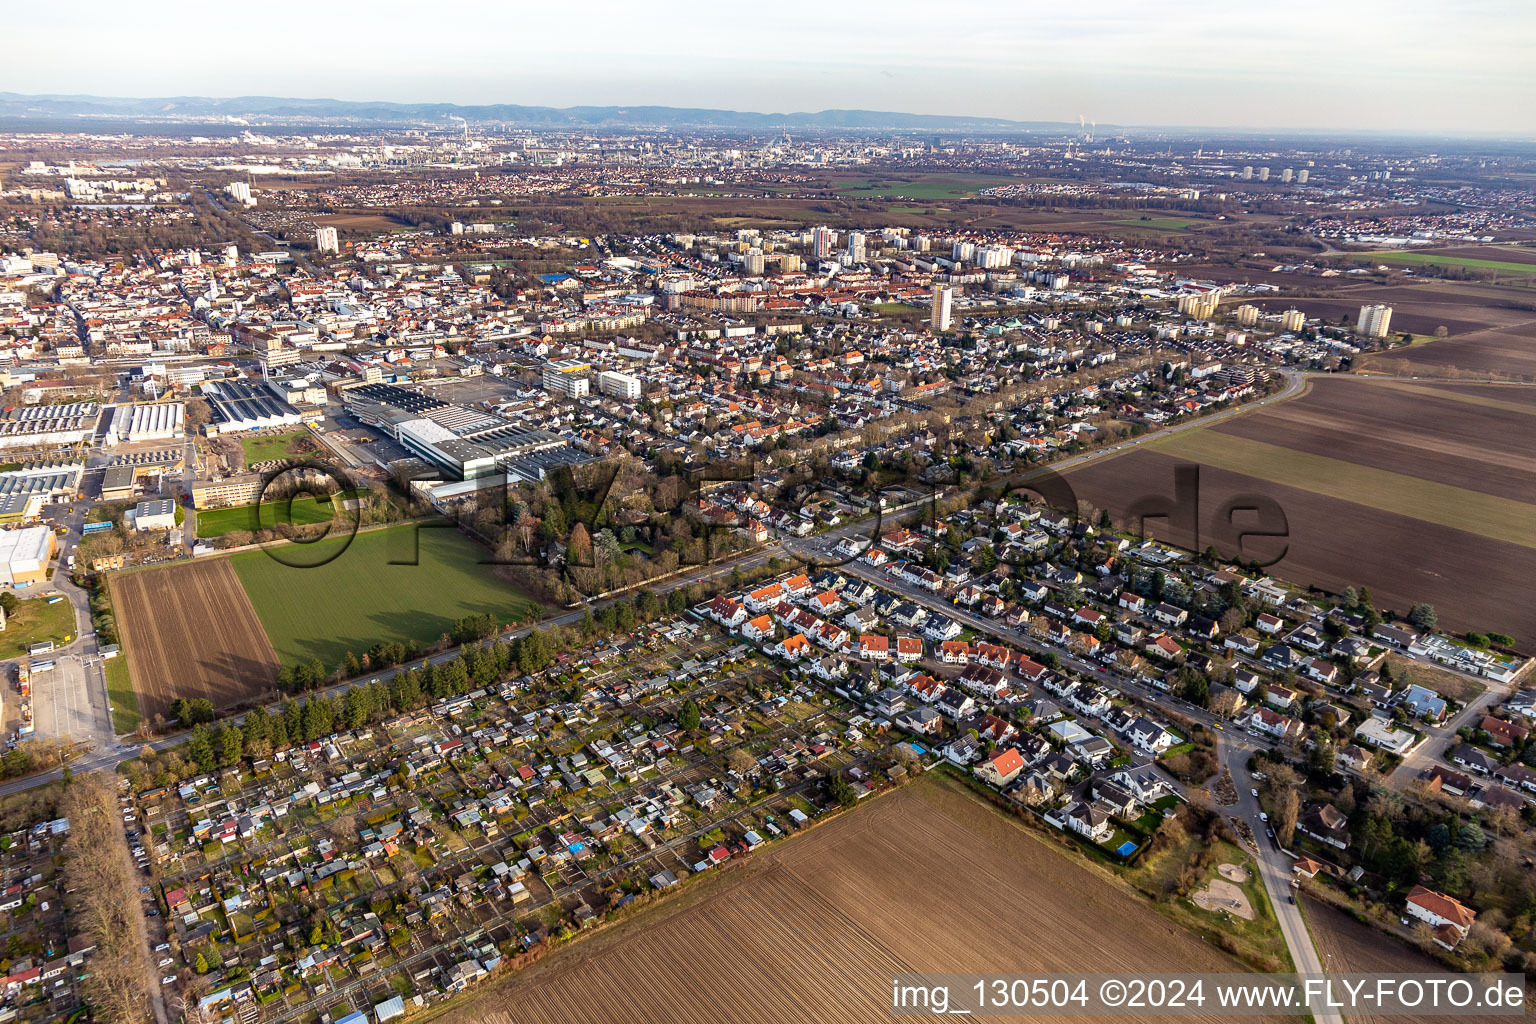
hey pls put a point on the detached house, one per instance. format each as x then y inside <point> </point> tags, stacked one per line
<point>1143,782</point>
<point>1447,916</point>
<point>759,629</point>
<point>1502,733</point>
<point>792,647</point>
<point>909,648</point>
<point>984,681</point>
<point>729,613</point>
<point>955,652</point>
<point>1001,768</point>
<point>1269,723</point>
<point>922,720</point>
<point>875,648</point>
<point>1149,737</point>
<point>1325,823</point>
<point>1322,671</point>
<point>1088,821</point>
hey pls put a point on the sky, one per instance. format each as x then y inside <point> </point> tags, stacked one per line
<point>1407,66</point>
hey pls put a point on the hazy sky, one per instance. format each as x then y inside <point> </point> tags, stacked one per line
<point>1405,65</point>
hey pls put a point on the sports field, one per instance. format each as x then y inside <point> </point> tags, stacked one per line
<point>359,598</point>
<point>266,448</point>
<point>216,522</point>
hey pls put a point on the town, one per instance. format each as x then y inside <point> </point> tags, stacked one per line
<point>430,541</point>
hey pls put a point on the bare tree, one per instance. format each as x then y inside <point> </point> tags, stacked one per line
<point>1287,806</point>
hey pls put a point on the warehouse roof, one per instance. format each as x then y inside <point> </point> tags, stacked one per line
<point>31,544</point>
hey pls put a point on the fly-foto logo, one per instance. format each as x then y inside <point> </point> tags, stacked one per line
<point>1251,528</point>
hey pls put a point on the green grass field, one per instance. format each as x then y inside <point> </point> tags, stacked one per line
<point>34,621</point>
<point>1424,259</point>
<point>303,510</point>
<point>125,703</point>
<point>925,187</point>
<point>1158,223</point>
<point>358,598</point>
<point>1473,511</point>
<point>275,446</point>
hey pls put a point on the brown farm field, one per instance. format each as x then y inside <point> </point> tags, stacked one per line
<point>1478,437</point>
<point>189,631</point>
<point>1504,353</point>
<point>1349,947</point>
<point>1472,581</point>
<point>368,223</point>
<point>1421,491</point>
<point>925,879</point>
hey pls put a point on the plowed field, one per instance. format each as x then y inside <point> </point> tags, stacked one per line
<point>927,879</point>
<point>189,631</point>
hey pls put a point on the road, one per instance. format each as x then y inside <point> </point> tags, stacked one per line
<point>1441,738</point>
<point>815,551</point>
<point>1275,868</point>
<point>1234,750</point>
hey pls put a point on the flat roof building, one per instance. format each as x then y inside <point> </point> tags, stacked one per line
<point>25,554</point>
<point>567,377</point>
<point>159,514</point>
<point>618,385</point>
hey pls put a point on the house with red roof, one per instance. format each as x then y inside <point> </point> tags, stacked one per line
<point>1446,915</point>
<point>1001,768</point>
<point>760,628</point>
<point>875,648</point>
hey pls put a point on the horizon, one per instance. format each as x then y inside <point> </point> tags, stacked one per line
<point>1279,131</point>
<point>1405,68</point>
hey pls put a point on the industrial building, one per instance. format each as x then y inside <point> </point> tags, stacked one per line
<point>237,406</point>
<point>45,426</point>
<point>25,554</point>
<point>24,491</point>
<point>463,444</point>
<point>159,514</point>
<point>149,421</point>
<point>125,471</point>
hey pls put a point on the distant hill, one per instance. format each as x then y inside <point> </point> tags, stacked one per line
<point>274,108</point>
